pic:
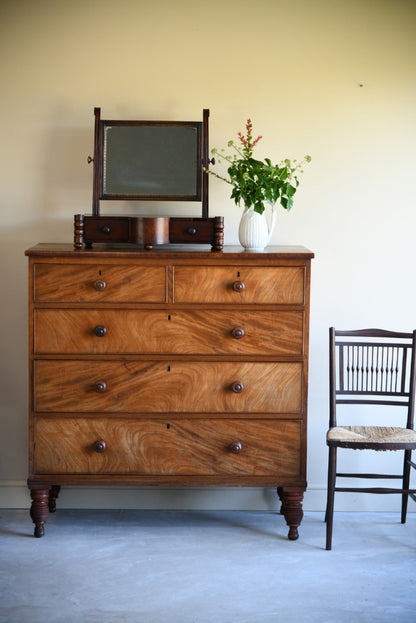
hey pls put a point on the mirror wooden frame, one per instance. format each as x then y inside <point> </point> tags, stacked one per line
<point>101,156</point>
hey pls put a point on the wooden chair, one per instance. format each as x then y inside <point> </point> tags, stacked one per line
<point>376,368</point>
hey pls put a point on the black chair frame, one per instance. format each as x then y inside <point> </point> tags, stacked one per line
<point>371,367</point>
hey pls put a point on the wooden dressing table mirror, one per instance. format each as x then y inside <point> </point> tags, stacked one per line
<point>150,161</point>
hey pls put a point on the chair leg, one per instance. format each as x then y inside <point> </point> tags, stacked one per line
<point>406,482</point>
<point>329,515</point>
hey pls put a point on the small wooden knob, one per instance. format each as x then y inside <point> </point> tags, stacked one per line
<point>192,231</point>
<point>100,285</point>
<point>100,446</point>
<point>100,386</point>
<point>237,333</point>
<point>106,229</point>
<point>235,447</point>
<point>100,331</point>
<point>238,286</point>
<point>237,387</point>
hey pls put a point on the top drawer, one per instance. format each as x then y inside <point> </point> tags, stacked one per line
<point>72,283</point>
<point>231,284</point>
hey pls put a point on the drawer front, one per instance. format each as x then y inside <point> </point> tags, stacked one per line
<point>192,230</point>
<point>161,447</point>
<point>217,284</point>
<point>176,387</point>
<point>77,283</point>
<point>106,229</point>
<point>183,332</point>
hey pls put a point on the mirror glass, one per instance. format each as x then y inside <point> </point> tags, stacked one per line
<point>151,160</point>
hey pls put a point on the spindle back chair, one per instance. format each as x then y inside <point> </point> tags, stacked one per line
<point>377,368</point>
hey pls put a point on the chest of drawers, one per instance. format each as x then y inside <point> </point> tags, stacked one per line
<point>184,367</point>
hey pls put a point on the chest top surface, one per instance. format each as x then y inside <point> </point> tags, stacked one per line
<point>186,252</point>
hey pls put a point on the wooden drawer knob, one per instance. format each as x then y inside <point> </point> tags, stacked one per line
<point>100,331</point>
<point>237,387</point>
<point>238,286</point>
<point>237,333</point>
<point>100,285</point>
<point>100,446</point>
<point>100,386</point>
<point>235,447</point>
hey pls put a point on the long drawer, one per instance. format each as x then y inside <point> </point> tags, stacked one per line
<point>162,447</point>
<point>78,283</point>
<point>205,332</point>
<point>176,387</point>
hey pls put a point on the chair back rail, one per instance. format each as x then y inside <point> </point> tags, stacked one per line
<point>376,370</point>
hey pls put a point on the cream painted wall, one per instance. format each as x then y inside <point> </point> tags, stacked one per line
<point>295,68</point>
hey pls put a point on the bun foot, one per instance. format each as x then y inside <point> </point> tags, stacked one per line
<point>39,530</point>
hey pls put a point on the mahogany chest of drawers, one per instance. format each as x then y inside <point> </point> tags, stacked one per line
<point>168,367</point>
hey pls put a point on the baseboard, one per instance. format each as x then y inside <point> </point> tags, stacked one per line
<point>15,494</point>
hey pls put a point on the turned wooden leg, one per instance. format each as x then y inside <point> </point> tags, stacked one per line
<point>329,513</point>
<point>53,495</point>
<point>39,511</point>
<point>280,494</point>
<point>406,482</point>
<point>292,509</point>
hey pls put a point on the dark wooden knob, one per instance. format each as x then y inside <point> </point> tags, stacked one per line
<point>192,231</point>
<point>100,331</point>
<point>100,446</point>
<point>237,387</point>
<point>106,229</point>
<point>237,333</point>
<point>100,386</point>
<point>235,447</point>
<point>238,286</point>
<point>100,285</point>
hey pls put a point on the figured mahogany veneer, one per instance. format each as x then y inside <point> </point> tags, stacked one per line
<point>162,387</point>
<point>258,285</point>
<point>159,447</point>
<point>89,283</point>
<point>196,332</point>
<point>167,368</point>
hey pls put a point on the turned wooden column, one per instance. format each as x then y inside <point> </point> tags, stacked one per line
<point>292,499</point>
<point>39,511</point>
<point>78,231</point>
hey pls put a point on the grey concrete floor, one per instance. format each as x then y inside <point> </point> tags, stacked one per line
<point>206,567</point>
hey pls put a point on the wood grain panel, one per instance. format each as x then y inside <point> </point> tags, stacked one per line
<point>76,283</point>
<point>181,332</point>
<point>178,387</point>
<point>160,447</point>
<point>214,284</point>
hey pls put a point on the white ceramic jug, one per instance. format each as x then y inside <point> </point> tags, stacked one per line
<point>254,231</point>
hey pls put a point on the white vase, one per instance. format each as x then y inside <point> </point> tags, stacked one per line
<point>254,231</point>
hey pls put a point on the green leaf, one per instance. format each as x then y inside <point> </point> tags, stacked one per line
<point>290,190</point>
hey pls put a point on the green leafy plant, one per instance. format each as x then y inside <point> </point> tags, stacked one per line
<point>258,181</point>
